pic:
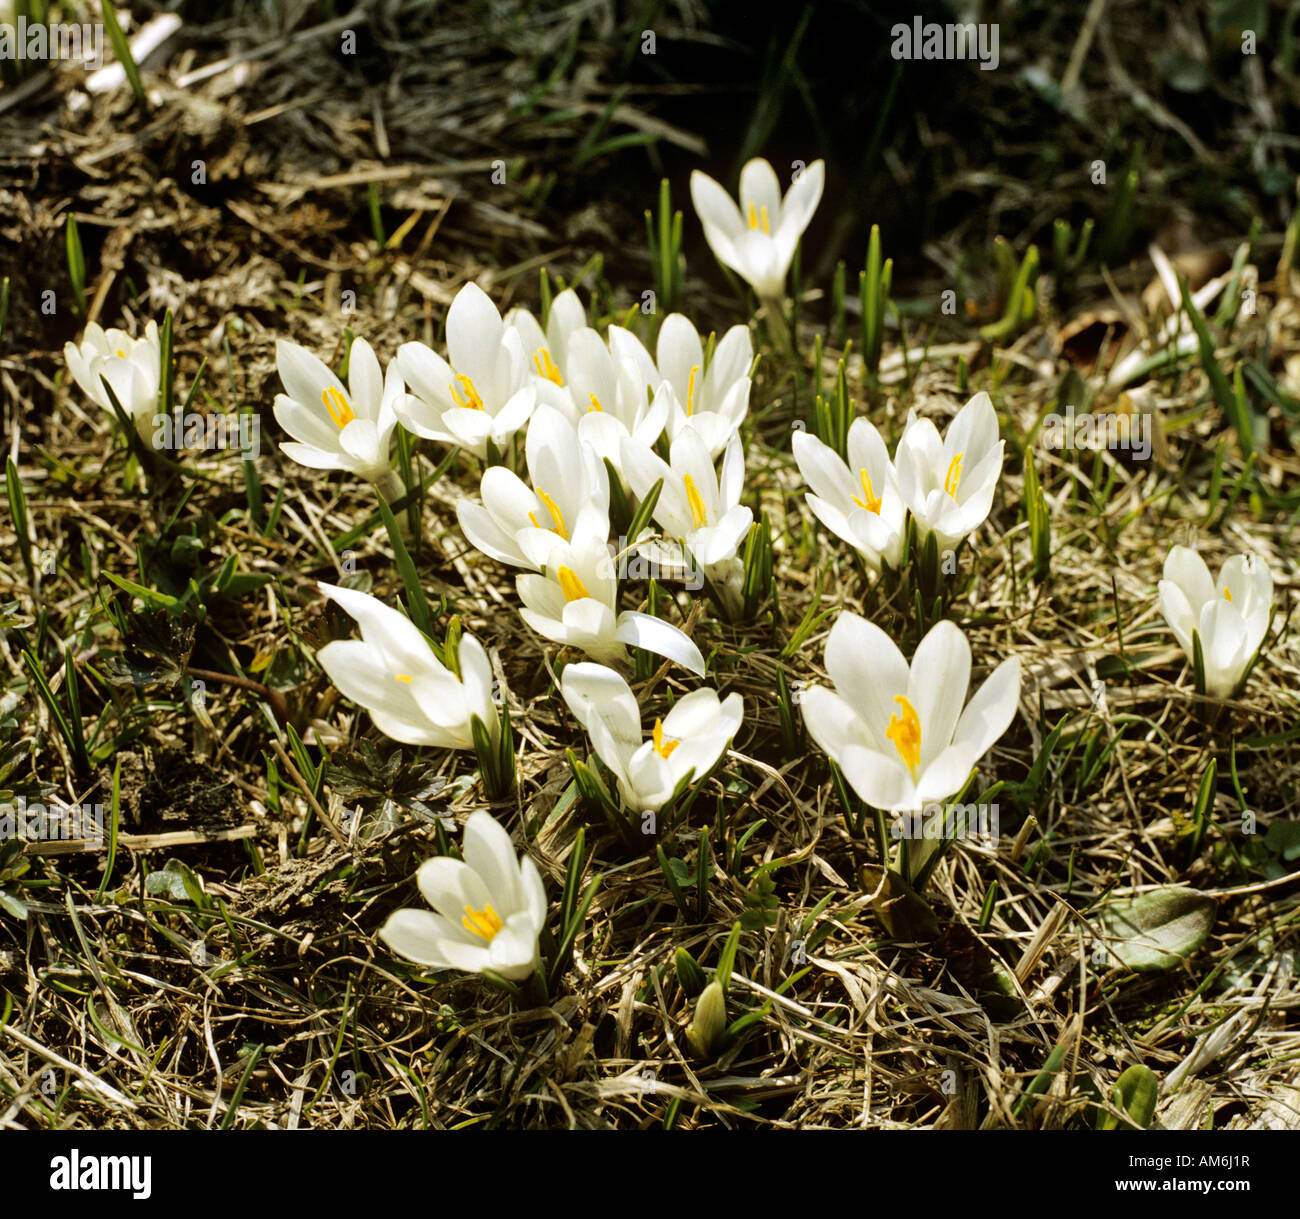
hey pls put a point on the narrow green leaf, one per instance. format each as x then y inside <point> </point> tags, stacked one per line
<point>122,49</point>
<point>727,960</point>
<point>76,263</point>
<point>416,603</point>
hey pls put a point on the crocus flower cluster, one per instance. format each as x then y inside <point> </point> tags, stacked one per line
<point>602,404</point>
<point>946,482</point>
<point>603,420</point>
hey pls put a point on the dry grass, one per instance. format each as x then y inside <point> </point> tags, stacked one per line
<point>265,998</point>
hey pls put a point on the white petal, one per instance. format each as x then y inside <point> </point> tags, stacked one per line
<point>594,691</point>
<point>802,198</point>
<point>513,951</point>
<point>364,380</point>
<point>989,714</point>
<point>488,851</point>
<point>714,206</point>
<point>759,186</point>
<point>1178,614</point>
<point>937,685</point>
<point>451,885</point>
<point>474,332</point>
<point>868,671</point>
<point>1187,569</point>
<point>305,377</point>
<point>661,638</point>
<point>416,935</point>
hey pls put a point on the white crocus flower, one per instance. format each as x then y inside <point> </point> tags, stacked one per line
<point>482,392</point>
<point>949,483</point>
<point>392,672</point>
<point>488,908</point>
<point>133,367</point>
<point>696,505</point>
<point>688,741</point>
<point>611,384</point>
<point>715,400</point>
<point>900,735</point>
<point>547,351</point>
<point>569,497</point>
<point>758,238</point>
<point>334,428</point>
<point>574,603</point>
<point>859,502</point>
<point>1230,614</point>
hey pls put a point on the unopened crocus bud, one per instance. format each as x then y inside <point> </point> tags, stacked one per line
<point>707,1031</point>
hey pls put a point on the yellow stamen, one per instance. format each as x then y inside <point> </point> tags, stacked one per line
<point>556,515</point>
<point>484,923</point>
<point>758,218</point>
<point>1226,593</point>
<point>595,404</point>
<point>905,732</point>
<point>953,478</point>
<point>690,391</point>
<point>663,748</point>
<point>546,366</point>
<point>696,501</point>
<point>337,406</point>
<point>574,588</point>
<point>471,401</point>
<point>404,678</point>
<point>870,500</point>
<point>121,355</point>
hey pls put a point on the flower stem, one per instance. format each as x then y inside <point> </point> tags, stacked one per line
<point>390,486</point>
<point>777,329</point>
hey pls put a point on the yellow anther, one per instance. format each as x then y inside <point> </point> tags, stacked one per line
<point>404,678</point>
<point>121,355</point>
<point>546,366</point>
<point>484,923</point>
<point>663,748</point>
<point>905,732</point>
<point>690,390</point>
<point>595,404</point>
<point>574,588</point>
<point>1226,593</point>
<point>758,218</point>
<point>952,479</point>
<point>337,406</point>
<point>556,515</point>
<point>870,500</point>
<point>696,501</point>
<point>471,400</point>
